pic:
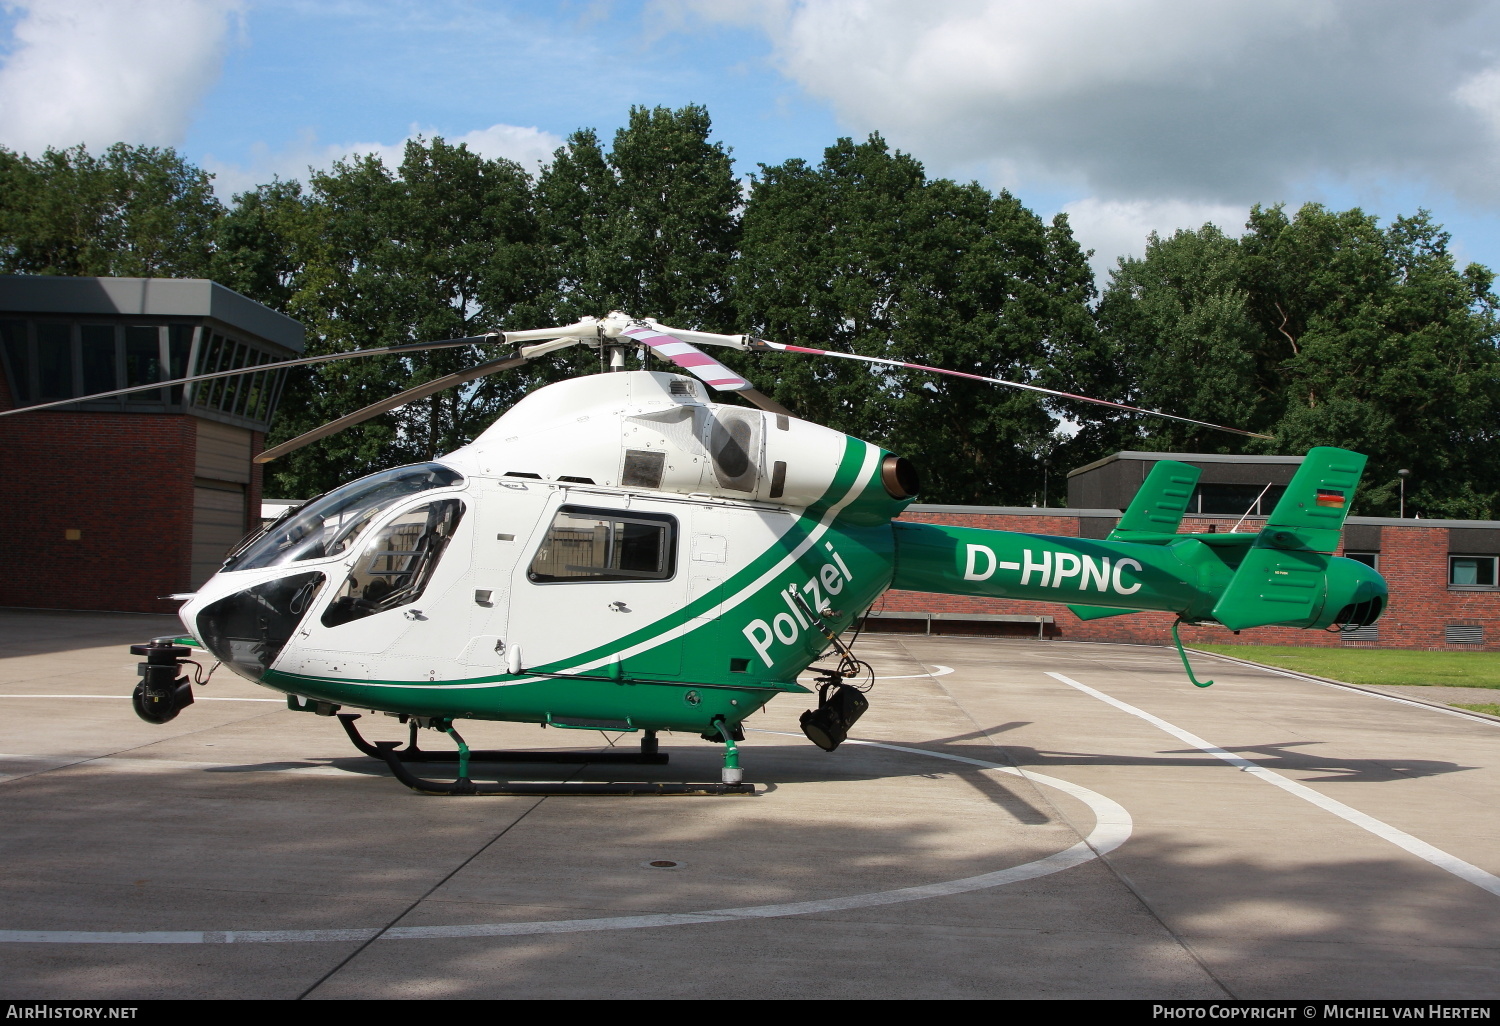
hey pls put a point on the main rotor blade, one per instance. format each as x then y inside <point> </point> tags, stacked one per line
<point>689,357</point>
<point>667,345</point>
<point>304,361</point>
<point>783,347</point>
<point>421,391</point>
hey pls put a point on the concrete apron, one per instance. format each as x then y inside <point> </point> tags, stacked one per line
<point>869,872</point>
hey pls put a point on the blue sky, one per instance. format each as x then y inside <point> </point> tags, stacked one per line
<point>1130,115</point>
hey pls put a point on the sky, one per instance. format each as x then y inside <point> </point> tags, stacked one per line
<point>1130,116</point>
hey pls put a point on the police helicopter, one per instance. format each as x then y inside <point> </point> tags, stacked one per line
<point>619,552</point>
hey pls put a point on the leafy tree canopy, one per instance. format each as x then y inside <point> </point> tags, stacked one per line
<point>1319,329</point>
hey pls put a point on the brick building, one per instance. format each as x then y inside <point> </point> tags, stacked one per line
<point>113,504</point>
<point>1442,573</point>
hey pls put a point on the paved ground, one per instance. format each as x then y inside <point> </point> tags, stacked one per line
<point>1358,866</point>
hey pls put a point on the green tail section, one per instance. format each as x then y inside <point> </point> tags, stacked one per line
<point>1153,516</point>
<point>1157,509</point>
<point>1100,612</point>
<point>1282,577</point>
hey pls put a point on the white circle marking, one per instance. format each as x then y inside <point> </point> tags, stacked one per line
<point>1112,826</point>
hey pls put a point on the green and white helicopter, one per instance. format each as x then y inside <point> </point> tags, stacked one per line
<point>620,553</point>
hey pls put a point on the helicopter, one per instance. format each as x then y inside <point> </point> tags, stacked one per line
<point>620,553</point>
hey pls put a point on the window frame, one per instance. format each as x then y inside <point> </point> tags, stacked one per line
<point>420,571</point>
<point>1494,562</point>
<point>623,516</point>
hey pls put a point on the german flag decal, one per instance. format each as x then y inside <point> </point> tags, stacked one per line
<point>1330,497</point>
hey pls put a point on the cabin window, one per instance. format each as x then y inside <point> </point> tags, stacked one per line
<point>330,524</point>
<point>586,544</point>
<point>397,562</point>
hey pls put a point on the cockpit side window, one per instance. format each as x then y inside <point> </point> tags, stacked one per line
<point>330,524</point>
<point>588,544</point>
<point>396,563</point>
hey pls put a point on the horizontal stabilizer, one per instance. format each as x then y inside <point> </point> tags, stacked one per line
<point>1100,612</point>
<point>1273,586</point>
<point>1159,505</point>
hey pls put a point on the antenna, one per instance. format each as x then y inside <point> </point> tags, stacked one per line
<point>1255,502</point>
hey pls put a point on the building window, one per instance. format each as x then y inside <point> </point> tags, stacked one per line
<point>47,360</point>
<point>1471,571</point>
<point>586,544</point>
<point>1235,499</point>
<point>1369,559</point>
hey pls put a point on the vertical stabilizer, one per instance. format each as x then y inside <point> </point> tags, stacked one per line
<point>1283,578</point>
<point>1159,506</point>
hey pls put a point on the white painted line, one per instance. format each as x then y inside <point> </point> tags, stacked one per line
<point>1463,714</point>
<point>196,698</point>
<point>1400,838</point>
<point>1112,826</point>
<point>938,670</point>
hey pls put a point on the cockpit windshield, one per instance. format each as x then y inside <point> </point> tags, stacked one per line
<point>329,524</point>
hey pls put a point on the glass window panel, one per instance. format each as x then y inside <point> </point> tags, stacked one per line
<point>229,398</point>
<point>328,525</point>
<point>100,373</point>
<point>397,562</point>
<point>604,545</point>
<point>249,389</point>
<point>208,362</point>
<point>17,359</point>
<point>143,362</point>
<point>1472,571</point>
<point>54,360</point>
<point>179,345</point>
<point>1369,559</point>
<point>1235,499</point>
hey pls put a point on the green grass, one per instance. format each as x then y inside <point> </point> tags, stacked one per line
<point>1492,708</point>
<point>1377,666</point>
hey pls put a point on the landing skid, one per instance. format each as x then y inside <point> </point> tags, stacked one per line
<point>397,758</point>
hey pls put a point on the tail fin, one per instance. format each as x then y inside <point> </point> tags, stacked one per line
<point>1282,577</point>
<point>1159,505</point>
<point>1152,516</point>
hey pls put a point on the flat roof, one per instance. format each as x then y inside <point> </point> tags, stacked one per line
<point>148,297</point>
<point>1065,511</point>
<point>1186,457</point>
<point>1014,511</point>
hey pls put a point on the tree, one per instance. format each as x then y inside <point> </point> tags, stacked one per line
<point>445,247</point>
<point>134,211</point>
<point>863,254</point>
<point>1323,329</point>
<point>649,227</point>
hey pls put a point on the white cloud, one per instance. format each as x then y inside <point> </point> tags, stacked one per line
<point>1119,228</point>
<point>529,147</point>
<point>115,71</point>
<point>1230,101</point>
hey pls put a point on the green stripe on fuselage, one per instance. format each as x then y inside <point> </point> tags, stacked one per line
<point>660,704</point>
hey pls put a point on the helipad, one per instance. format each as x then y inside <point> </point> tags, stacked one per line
<point>1046,820</point>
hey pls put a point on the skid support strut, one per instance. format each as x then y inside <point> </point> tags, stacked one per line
<point>397,758</point>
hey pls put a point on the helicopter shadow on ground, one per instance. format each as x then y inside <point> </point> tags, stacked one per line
<point>1275,920</point>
